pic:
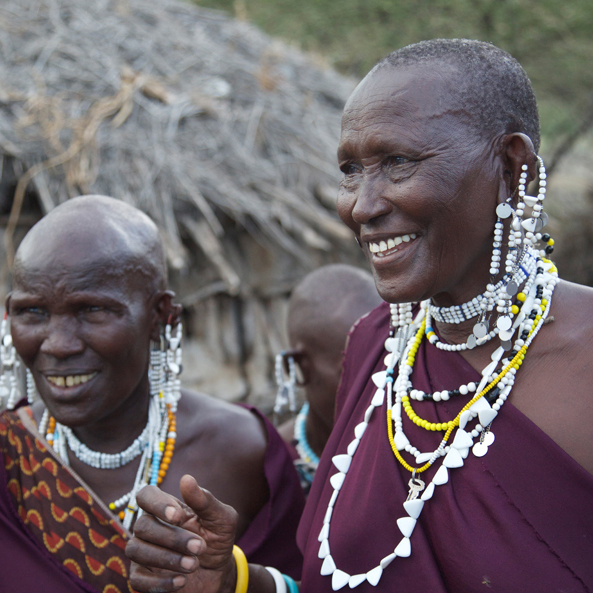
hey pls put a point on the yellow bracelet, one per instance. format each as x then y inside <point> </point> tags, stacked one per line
<point>242,570</point>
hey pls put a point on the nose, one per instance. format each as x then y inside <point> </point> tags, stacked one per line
<point>371,199</point>
<point>61,339</point>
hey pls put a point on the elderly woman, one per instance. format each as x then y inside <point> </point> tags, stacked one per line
<point>461,457</point>
<point>89,298</point>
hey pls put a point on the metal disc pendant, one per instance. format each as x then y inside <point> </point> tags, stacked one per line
<point>544,218</point>
<point>504,210</point>
<point>506,335</point>
<point>488,439</point>
<point>506,345</point>
<point>480,449</point>
<point>471,342</point>
<point>539,225</point>
<point>504,323</point>
<point>512,288</point>
<point>480,330</point>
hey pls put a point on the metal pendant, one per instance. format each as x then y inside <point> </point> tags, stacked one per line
<point>480,330</point>
<point>504,210</point>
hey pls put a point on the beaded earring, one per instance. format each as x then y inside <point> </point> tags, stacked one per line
<point>286,382</point>
<point>10,363</point>
<point>32,395</point>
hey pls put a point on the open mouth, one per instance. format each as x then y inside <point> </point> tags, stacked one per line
<point>70,380</point>
<point>384,248</point>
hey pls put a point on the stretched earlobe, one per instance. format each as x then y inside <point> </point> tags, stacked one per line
<point>518,150</point>
<point>166,312</point>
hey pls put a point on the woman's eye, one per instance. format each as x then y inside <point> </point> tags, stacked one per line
<point>31,311</point>
<point>396,161</point>
<point>350,169</point>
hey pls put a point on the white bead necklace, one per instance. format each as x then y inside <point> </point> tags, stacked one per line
<point>107,460</point>
<point>455,453</point>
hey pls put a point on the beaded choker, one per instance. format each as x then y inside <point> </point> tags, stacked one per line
<point>498,378</point>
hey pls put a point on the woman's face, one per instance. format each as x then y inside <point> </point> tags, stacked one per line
<point>84,332</point>
<point>420,186</point>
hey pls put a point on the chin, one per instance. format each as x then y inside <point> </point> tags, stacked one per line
<point>400,290</point>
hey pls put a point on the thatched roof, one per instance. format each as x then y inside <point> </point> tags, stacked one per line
<point>202,121</point>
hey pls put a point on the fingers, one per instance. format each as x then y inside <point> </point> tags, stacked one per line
<point>145,580</point>
<point>208,508</point>
<point>150,530</point>
<point>154,556</point>
<point>164,506</point>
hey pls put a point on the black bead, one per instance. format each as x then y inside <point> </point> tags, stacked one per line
<point>549,249</point>
<point>492,395</point>
<point>545,237</point>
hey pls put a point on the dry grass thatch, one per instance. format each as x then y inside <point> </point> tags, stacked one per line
<point>200,120</point>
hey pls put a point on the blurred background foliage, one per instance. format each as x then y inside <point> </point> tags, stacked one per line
<point>552,40</point>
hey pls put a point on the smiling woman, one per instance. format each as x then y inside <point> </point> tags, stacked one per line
<point>413,491</point>
<point>99,333</point>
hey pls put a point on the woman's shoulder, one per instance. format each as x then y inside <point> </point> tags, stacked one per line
<point>215,421</point>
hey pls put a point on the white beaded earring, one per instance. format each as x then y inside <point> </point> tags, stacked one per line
<point>32,395</point>
<point>286,382</point>
<point>173,365</point>
<point>9,361</point>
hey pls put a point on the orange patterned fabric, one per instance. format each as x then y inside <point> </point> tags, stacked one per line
<point>60,513</point>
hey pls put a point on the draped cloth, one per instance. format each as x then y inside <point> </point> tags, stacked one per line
<point>57,536</point>
<point>518,519</point>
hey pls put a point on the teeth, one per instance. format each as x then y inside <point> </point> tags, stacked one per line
<point>70,380</point>
<point>383,246</point>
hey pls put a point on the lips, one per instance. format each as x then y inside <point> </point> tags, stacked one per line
<point>391,245</point>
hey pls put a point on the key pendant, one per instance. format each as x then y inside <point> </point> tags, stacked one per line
<point>416,486</point>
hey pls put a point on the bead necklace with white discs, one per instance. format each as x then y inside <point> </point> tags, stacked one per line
<point>498,378</point>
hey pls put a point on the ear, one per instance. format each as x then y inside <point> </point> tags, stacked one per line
<point>517,150</point>
<point>164,311</point>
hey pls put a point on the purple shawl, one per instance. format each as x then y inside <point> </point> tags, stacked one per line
<point>270,538</point>
<point>519,519</point>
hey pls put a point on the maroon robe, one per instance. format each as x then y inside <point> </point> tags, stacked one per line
<point>46,545</point>
<point>518,520</point>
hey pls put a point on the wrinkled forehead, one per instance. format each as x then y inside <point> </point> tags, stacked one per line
<point>425,89</point>
<point>81,254</point>
<point>417,96</point>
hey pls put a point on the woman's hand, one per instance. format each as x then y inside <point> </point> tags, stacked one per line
<point>179,545</point>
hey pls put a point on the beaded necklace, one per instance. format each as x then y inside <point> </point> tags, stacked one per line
<point>160,436</point>
<point>535,309</point>
<point>300,434</point>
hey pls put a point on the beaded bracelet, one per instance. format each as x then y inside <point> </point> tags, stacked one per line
<point>278,580</point>
<point>242,570</point>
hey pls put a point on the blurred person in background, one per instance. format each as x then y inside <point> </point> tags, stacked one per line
<point>321,312</point>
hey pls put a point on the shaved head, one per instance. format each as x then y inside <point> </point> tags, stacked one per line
<point>94,232</point>
<point>324,306</point>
